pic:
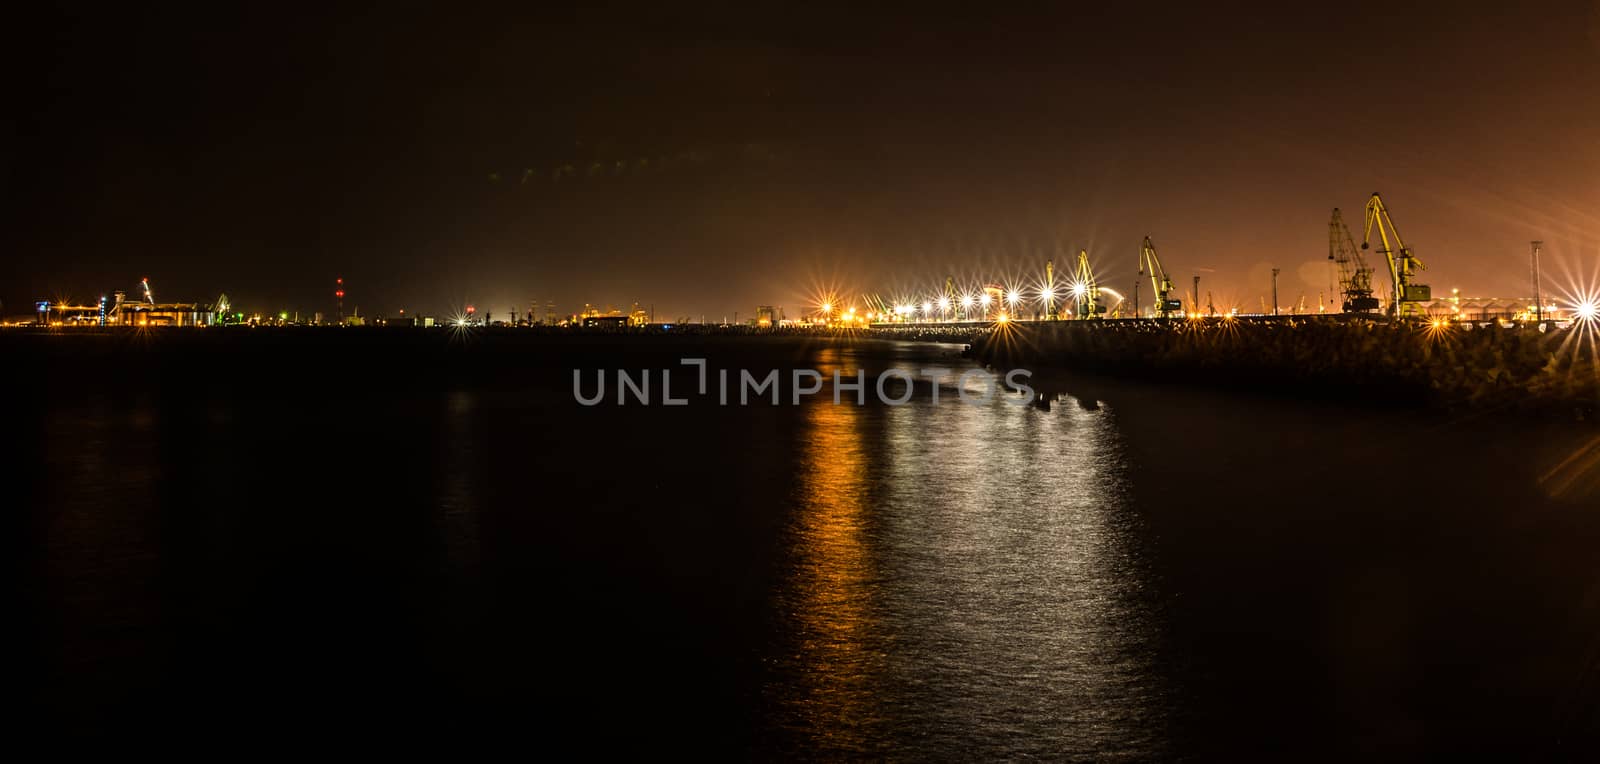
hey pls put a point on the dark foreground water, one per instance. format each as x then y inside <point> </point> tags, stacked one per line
<point>398,542</point>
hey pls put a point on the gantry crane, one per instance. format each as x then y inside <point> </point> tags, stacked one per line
<point>1403,265</point>
<point>1148,261</point>
<point>1085,290</point>
<point>1355,276</point>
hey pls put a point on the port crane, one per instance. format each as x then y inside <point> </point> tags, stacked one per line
<point>1085,290</point>
<point>1355,276</point>
<point>145,283</point>
<point>1050,290</point>
<point>1148,261</point>
<point>1403,265</point>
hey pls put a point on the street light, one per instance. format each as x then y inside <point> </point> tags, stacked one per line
<point>1587,311</point>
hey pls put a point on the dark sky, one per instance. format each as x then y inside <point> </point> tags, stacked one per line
<point>713,160</point>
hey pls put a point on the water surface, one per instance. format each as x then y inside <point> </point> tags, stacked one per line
<point>1132,572</point>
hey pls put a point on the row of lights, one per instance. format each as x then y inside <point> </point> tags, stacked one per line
<point>984,300</point>
<point>943,304</point>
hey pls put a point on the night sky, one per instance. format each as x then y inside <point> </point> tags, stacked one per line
<point>706,162</point>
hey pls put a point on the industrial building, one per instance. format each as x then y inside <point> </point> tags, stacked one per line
<point>768,316</point>
<point>119,311</point>
<point>1491,309</point>
<point>161,314</point>
<point>151,313</point>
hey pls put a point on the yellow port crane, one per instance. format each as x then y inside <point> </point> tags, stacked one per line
<point>1355,276</point>
<point>1403,265</point>
<point>1050,290</point>
<point>1085,290</point>
<point>1162,283</point>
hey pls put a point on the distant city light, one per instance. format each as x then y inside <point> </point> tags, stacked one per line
<point>1587,311</point>
<point>944,304</point>
<point>1013,297</point>
<point>927,308</point>
<point>966,301</point>
<point>985,300</point>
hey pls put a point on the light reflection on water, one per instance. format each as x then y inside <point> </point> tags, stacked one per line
<point>966,579</point>
<point>840,642</point>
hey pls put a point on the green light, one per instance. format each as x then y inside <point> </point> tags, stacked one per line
<point>284,316</point>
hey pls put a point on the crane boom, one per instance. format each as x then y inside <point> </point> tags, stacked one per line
<point>1159,280</point>
<point>1403,265</point>
<point>1355,276</point>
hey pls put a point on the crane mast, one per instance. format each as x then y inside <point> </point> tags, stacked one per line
<point>1159,280</point>
<point>1403,265</point>
<point>1049,290</point>
<point>1355,276</point>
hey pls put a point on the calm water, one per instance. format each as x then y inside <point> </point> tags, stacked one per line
<point>1135,572</point>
